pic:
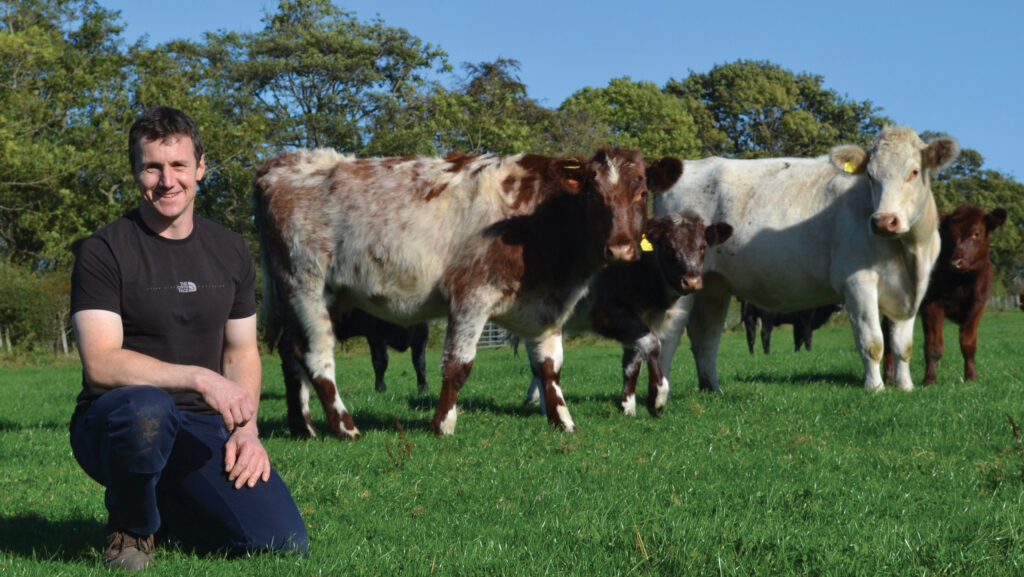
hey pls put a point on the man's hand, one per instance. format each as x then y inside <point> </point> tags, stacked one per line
<point>229,399</point>
<point>245,459</point>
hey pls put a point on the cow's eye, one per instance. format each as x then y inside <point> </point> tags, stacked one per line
<point>641,196</point>
<point>913,174</point>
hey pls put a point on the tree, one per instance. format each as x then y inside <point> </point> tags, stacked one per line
<point>489,112</point>
<point>61,83</point>
<point>320,77</point>
<point>639,116</point>
<point>752,109</point>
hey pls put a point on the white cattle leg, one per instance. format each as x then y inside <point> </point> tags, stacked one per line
<point>707,320</point>
<point>533,394</point>
<point>671,332</point>
<point>546,361</point>
<point>862,305</point>
<point>902,346</point>
<point>456,363</point>
<point>318,359</point>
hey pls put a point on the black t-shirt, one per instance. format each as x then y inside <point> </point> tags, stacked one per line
<point>174,296</point>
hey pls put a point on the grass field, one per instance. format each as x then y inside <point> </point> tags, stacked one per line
<point>793,470</point>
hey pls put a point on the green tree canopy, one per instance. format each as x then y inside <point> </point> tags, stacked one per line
<point>639,116</point>
<point>751,109</point>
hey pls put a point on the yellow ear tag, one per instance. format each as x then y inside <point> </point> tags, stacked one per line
<point>848,167</point>
<point>572,166</point>
<point>645,245</point>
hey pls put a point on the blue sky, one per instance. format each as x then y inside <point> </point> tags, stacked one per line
<point>943,66</point>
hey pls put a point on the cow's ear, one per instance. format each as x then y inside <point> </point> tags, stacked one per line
<point>663,174</point>
<point>717,233</point>
<point>849,158</point>
<point>572,172</point>
<point>940,153</point>
<point>656,228</point>
<point>995,219</point>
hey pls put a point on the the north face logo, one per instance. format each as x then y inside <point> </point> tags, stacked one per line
<point>186,287</point>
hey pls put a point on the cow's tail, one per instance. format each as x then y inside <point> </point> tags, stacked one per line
<point>270,307</point>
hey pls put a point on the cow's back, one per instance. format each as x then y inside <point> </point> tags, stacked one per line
<point>385,229</point>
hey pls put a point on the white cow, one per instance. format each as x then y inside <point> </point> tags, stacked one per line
<point>859,227</point>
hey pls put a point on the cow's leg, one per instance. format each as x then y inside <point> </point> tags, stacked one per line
<point>750,326</point>
<point>766,337</point>
<point>902,347</point>
<point>533,393</point>
<point>639,344</point>
<point>969,345</point>
<point>296,389</point>
<point>418,335</point>
<point>318,359</point>
<point>932,318</point>
<point>632,362</point>
<point>547,362</point>
<point>379,358</point>
<point>707,320</point>
<point>456,363</point>
<point>670,332</point>
<point>862,301</point>
<point>888,366</point>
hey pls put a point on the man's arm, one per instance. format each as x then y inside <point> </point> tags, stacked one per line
<point>100,335</point>
<point>245,459</point>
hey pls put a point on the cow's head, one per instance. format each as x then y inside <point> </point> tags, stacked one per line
<point>898,168</point>
<point>620,180</point>
<point>966,236</point>
<point>679,242</point>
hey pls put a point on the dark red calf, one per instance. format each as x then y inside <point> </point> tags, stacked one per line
<point>959,285</point>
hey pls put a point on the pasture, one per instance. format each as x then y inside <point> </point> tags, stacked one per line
<point>793,470</point>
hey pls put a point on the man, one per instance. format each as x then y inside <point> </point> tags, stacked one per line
<point>164,313</point>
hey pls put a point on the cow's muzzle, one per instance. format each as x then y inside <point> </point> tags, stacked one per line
<point>691,283</point>
<point>886,224</point>
<point>623,252</point>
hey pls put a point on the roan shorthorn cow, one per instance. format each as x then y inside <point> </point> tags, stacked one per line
<point>512,238</point>
<point>804,322</point>
<point>858,227</point>
<point>959,286</point>
<point>629,303</point>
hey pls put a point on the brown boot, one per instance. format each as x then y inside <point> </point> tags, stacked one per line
<point>127,551</point>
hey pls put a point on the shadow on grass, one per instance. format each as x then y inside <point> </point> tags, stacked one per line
<point>812,378</point>
<point>33,537</point>
<point>11,426</point>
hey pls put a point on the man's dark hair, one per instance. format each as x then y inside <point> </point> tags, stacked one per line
<point>159,123</point>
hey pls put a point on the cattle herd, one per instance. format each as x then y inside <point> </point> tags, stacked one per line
<point>378,247</point>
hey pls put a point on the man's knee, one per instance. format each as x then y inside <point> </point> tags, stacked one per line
<point>143,426</point>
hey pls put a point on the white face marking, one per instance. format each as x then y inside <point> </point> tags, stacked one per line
<point>613,171</point>
<point>629,405</point>
<point>448,424</point>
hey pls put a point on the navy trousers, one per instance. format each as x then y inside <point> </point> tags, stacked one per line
<point>163,470</point>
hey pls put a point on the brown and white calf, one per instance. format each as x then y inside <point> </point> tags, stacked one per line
<point>512,238</point>
<point>959,286</point>
<point>630,303</point>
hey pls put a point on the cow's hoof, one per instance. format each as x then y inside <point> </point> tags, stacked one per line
<point>381,387</point>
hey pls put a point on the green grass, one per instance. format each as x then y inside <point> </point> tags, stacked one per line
<point>794,470</point>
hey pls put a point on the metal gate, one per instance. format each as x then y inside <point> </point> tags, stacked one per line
<point>493,337</point>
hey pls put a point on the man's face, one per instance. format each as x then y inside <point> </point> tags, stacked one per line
<point>168,176</point>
